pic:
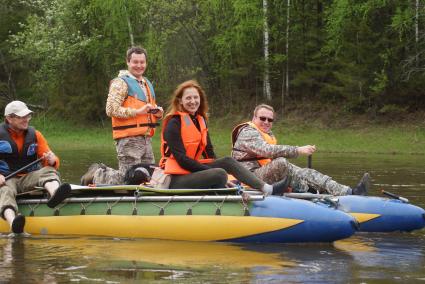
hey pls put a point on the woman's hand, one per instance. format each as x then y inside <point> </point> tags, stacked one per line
<point>231,184</point>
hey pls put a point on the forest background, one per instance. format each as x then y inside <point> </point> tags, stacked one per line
<point>327,63</point>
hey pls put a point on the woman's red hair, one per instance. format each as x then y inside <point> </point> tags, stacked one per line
<point>175,102</point>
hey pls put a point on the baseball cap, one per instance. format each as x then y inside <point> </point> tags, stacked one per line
<point>17,108</point>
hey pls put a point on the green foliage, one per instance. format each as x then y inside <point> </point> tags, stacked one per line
<point>364,55</point>
<point>393,110</point>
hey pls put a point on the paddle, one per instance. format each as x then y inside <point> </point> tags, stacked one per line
<point>23,168</point>
<point>395,196</point>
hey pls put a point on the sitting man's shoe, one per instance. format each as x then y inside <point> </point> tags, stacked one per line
<point>363,187</point>
<point>282,186</point>
<point>18,224</point>
<point>63,192</point>
<point>87,178</point>
<point>138,174</point>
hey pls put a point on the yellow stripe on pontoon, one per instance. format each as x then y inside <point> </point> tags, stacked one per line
<point>190,228</point>
<point>364,217</point>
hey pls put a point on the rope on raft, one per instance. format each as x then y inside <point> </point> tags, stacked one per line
<point>113,201</point>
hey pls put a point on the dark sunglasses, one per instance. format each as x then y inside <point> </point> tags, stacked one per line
<point>262,118</point>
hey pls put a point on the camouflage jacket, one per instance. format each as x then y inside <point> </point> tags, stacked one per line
<point>251,145</point>
<point>117,94</point>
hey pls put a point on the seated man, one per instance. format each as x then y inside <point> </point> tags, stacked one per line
<point>256,148</point>
<point>21,145</point>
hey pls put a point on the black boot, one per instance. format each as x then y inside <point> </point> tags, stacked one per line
<point>282,186</point>
<point>18,224</point>
<point>363,187</point>
<point>63,192</point>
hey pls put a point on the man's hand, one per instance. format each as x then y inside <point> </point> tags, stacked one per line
<point>2,180</point>
<point>306,150</point>
<point>50,157</point>
<point>159,112</point>
<point>145,109</point>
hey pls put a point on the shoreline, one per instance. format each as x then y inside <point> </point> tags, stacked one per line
<point>372,139</point>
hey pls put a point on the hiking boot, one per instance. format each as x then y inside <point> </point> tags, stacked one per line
<point>282,186</point>
<point>138,174</point>
<point>363,187</point>
<point>63,192</point>
<point>18,224</point>
<point>87,178</point>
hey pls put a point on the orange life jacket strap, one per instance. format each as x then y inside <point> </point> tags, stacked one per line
<point>151,125</point>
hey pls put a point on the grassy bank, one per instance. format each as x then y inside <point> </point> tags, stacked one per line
<point>387,139</point>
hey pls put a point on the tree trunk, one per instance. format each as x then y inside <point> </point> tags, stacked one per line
<point>130,29</point>
<point>286,80</point>
<point>266,81</point>
<point>10,93</point>
<point>417,32</point>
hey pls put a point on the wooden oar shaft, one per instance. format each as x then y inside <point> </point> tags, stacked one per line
<point>309,161</point>
<point>307,195</point>
<point>23,168</point>
<point>395,196</point>
<point>37,189</point>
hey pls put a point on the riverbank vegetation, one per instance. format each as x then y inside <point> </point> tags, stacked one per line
<point>356,57</point>
<point>363,138</point>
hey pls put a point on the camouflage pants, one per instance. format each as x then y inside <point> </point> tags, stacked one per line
<point>301,178</point>
<point>131,151</point>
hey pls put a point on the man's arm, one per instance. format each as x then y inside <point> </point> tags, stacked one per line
<point>116,96</point>
<point>252,143</point>
<point>43,150</point>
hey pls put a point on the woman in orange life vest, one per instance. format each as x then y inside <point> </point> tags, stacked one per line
<point>187,152</point>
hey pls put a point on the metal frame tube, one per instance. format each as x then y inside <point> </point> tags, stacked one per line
<point>206,198</point>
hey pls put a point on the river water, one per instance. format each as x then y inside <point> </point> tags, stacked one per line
<point>363,258</point>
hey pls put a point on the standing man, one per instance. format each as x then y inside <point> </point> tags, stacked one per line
<point>21,145</point>
<point>255,146</point>
<point>132,106</point>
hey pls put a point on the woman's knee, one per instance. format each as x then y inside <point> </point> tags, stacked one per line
<point>219,174</point>
<point>227,162</point>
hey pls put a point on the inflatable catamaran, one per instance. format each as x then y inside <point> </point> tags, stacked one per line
<point>214,215</point>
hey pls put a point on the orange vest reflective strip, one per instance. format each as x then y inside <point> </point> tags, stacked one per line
<point>267,137</point>
<point>142,124</point>
<point>194,142</point>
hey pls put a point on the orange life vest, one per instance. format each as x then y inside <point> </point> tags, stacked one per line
<point>142,124</point>
<point>267,137</point>
<point>194,141</point>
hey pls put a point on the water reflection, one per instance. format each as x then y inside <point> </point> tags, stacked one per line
<point>76,259</point>
<point>362,257</point>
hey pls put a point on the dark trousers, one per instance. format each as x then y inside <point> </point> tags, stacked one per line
<point>216,177</point>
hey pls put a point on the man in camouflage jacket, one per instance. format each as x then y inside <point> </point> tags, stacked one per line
<point>132,106</point>
<point>255,146</point>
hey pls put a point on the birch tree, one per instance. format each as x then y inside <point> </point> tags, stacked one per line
<point>266,80</point>
<point>286,73</point>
